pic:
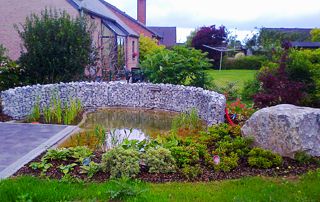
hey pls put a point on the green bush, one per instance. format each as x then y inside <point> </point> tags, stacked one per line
<point>238,145</point>
<point>227,163</point>
<point>121,162</point>
<point>250,88</point>
<point>247,62</point>
<point>147,47</point>
<point>185,155</point>
<point>261,158</point>
<point>159,160</point>
<point>303,157</point>
<point>181,65</point>
<point>191,172</point>
<point>10,72</point>
<point>304,66</point>
<point>57,47</point>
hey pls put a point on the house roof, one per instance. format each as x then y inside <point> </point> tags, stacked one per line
<point>169,35</point>
<point>290,30</point>
<point>110,6</point>
<point>298,44</point>
<point>97,8</point>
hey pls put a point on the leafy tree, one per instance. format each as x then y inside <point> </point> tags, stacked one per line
<point>277,88</point>
<point>180,65</point>
<point>10,71</point>
<point>147,47</point>
<point>269,39</point>
<point>315,35</point>
<point>211,36</point>
<point>190,37</point>
<point>57,48</point>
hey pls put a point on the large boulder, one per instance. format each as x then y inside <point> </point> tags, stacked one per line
<point>285,129</point>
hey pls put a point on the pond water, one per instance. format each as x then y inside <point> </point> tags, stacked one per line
<point>121,123</point>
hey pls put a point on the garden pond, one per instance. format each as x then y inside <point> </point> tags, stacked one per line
<point>113,125</point>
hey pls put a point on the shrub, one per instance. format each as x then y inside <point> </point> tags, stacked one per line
<point>247,62</point>
<point>185,155</point>
<point>303,157</point>
<point>180,65</point>
<point>10,72</point>
<point>191,172</point>
<point>159,160</point>
<point>277,88</point>
<point>57,47</point>
<point>230,90</point>
<point>304,67</point>
<point>261,158</point>
<point>241,110</point>
<point>227,163</point>
<point>250,88</point>
<point>237,145</point>
<point>147,47</point>
<point>121,162</point>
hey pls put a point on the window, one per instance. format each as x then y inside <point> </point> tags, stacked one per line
<point>133,50</point>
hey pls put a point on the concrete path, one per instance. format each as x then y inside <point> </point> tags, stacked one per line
<point>21,142</point>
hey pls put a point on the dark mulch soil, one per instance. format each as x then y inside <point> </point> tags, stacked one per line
<point>289,168</point>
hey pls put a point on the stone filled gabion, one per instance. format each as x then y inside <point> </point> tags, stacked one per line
<point>18,102</point>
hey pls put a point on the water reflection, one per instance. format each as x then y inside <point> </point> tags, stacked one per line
<point>123,123</point>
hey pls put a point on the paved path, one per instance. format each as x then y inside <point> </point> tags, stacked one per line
<point>20,143</point>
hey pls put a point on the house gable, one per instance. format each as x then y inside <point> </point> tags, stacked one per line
<point>14,12</point>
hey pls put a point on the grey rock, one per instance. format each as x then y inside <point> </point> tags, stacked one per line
<point>286,129</point>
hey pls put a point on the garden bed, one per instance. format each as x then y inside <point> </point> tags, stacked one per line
<point>290,168</point>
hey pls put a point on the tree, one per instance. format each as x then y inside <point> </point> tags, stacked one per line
<point>181,65</point>
<point>315,35</point>
<point>148,47</point>
<point>211,36</point>
<point>56,47</point>
<point>277,88</point>
<point>190,37</point>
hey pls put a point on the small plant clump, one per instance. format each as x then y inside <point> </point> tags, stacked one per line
<point>261,158</point>
<point>121,162</point>
<point>55,112</point>
<point>159,160</point>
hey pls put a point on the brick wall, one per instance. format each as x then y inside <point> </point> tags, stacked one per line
<point>15,12</point>
<point>132,61</point>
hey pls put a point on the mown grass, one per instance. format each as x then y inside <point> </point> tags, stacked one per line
<point>220,78</point>
<point>307,188</point>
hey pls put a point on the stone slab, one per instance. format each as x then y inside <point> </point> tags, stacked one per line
<point>21,142</point>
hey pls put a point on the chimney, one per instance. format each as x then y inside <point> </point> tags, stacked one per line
<point>142,11</point>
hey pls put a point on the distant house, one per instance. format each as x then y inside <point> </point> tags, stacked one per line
<point>168,35</point>
<point>305,45</point>
<point>116,36</point>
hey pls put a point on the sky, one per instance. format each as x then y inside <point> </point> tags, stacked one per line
<point>242,17</point>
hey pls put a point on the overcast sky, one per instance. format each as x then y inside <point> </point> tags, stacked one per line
<point>242,15</point>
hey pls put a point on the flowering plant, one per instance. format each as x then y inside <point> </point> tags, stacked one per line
<point>239,111</point>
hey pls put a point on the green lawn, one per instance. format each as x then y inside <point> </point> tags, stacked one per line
<point>307,188</point>
<point>240,76</point>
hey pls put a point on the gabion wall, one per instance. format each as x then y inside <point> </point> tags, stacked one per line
<point>19,102</point>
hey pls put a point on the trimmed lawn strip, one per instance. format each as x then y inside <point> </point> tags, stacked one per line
<point>307,188</point>
<point>220,78</point>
